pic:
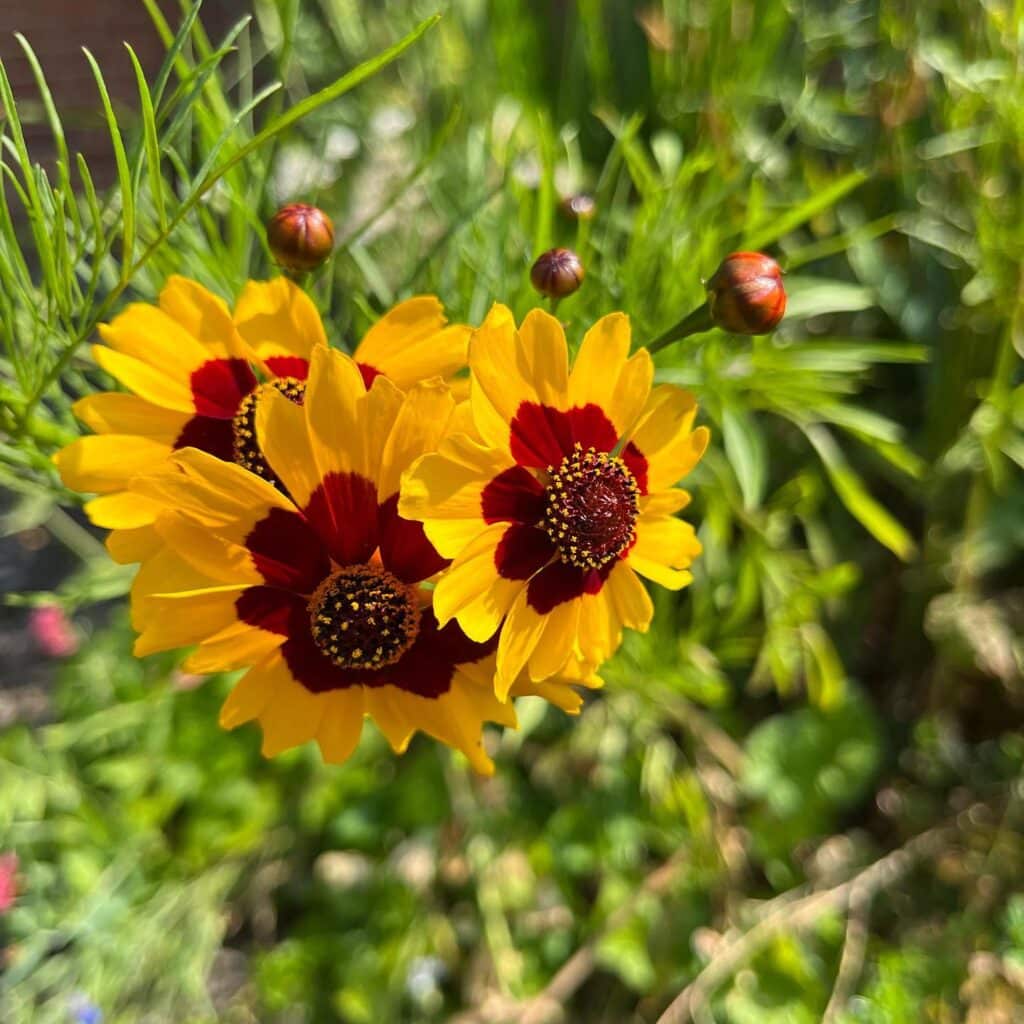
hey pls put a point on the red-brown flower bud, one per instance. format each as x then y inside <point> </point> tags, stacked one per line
<point>557,273</point>
<point>745,294</point>
<point>579,207</point>
<point>301,237</point>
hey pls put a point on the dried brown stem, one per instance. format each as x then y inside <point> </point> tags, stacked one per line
<point>788,915</point>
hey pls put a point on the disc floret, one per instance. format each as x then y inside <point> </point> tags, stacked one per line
<point>364,617</point>
<point>591,508</point>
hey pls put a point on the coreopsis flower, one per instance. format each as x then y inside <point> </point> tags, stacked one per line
<point>562,499</point>
<point>319,588</point>
<point>197,373</point>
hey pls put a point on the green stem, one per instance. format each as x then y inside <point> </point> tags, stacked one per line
<point>694,323</point>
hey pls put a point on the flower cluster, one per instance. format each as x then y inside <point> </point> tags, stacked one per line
<point>378,535</point>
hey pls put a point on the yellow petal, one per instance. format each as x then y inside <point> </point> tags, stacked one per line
<point>254,692</point>
<point>114,412</point>
<point>107,462</point>
<point>665,548</point>
<point>166,572</point>
<point>334,395</point>
<point>418,428</point>
<point>121,510</point>
<point>599,631</point>
<point>543,341</point>
<point>630,603</point>
<point>502,376</point>
<point>554,692</point>
<point>134,545</point>
<point>664,503</point>
<point>472,591</point>
<point>210,490</point>
<point>558,642</point>
<point>285,443</point>
<point>490,428</point>
<point>410,343</point>
<point>181,621</point>
<point>378,412</point>
<point>663,435</point>
<point>146,333</point>
<point>443,490</point>
<point>218,553</point>
<point>204,315</point>
<point>437,355</point>
<point>236,646</point>
<point>292,715</point>
<point>519,638</point>
<point>172,392</point>
<point>409,321</point>
<point>342,724</point>
<point>278,318</point>
<point>389,707</point>
<point>604,375</point>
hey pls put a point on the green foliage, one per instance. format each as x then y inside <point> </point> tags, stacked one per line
<point>860,512</point>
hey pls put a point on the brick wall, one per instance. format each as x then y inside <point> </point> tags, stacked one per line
<point>57,30</point>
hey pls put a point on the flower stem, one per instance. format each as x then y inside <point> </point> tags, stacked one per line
<point>697,321</point>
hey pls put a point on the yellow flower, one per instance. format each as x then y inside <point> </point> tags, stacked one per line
<point>196,372</point>
<point>317,586</point>
<point>562,497</point>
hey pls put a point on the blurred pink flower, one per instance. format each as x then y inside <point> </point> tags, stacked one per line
<point>8,880</point>
<point>52,631</point>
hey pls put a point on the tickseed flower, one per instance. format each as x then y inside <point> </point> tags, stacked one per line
<point>746,294</point>
<point>319,591</point>
<point>300,236</point>
<point>557,273</point>
<point>198,372</point>
<point>562,499</point>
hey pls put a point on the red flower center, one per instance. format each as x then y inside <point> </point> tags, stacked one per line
<point>364,617</point>
<point>591,507</point>
<point>246,448</point>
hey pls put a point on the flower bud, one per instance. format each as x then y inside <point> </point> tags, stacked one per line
<point>301,237</point>
<point>557,273</point>
<point>745,293</point>
<point>579,207</point>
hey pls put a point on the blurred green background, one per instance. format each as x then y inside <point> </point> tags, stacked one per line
<point>844,677</point>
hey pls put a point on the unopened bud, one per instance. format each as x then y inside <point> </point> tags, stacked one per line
<point>745,294</point>
<point>301,237</point>
<point>557,273</point>
<point>579,207</point>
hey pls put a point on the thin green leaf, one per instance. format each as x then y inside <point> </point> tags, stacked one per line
<point>174,41</point>
<point>811,207</point>
<point>152,144</point>
<point>854,495</point>
<point>31,198</point>
<point>745,448</point>
<point>124,178</point>
<point>56,127</point>
<point>808,296</point>
<point>331,92</point>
